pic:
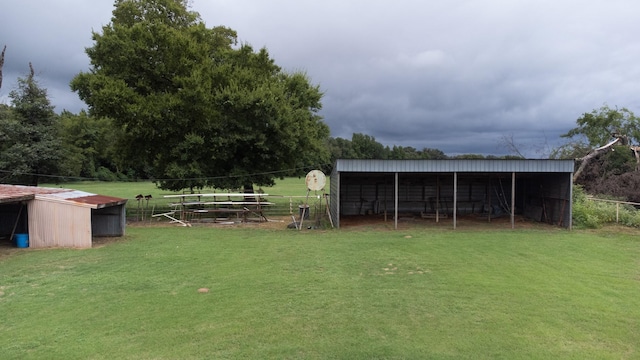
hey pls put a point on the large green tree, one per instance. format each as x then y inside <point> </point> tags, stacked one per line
<point>602,125</point>
<point>89,147</point>
<point>599,131</point>
<point>366,147</point>
<point>196,109</point>
<point>29,145</point>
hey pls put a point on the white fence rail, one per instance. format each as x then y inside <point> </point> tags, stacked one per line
<point>617,204</point>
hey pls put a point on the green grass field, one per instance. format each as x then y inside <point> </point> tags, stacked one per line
<point>278,294</point>
<point>279,194</point>
<point>129,190</point>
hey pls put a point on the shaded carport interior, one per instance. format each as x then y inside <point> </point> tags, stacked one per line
<point>444,190</point>
<point>13,215</point>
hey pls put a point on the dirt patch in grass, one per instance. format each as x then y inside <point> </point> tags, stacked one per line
<point>467,222</point>
<point>357,222</point>
<point>7,248</point>
<point>367,222</point>
<point>279,222</point>
<point>101,241</point>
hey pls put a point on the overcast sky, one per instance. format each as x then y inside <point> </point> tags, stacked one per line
<point>455,75</point>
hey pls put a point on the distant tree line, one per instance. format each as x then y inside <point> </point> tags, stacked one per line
<point>362,146</point>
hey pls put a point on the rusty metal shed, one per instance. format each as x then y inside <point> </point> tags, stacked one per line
<point>56,217</point>
<point>445,189</point>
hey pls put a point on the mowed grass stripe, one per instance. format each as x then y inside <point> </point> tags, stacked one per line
<point>326,294</point>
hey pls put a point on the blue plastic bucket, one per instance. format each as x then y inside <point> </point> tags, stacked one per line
<point>22,240</point>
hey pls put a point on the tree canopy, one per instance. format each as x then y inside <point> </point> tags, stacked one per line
<point>601,125</point>
<point>597,133</point>
<point>194,108</point>
<point>29,146</point>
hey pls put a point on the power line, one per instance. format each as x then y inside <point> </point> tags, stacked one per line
<point>80,178</point>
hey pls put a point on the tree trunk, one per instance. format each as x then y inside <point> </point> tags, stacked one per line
<point>248,189</point>
<point>587,159</point>
<point>635,152</point>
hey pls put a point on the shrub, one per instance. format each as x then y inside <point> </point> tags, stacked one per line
<point>104,174</point>
<point>592,214</point>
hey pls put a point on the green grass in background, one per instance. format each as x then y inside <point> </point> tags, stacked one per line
<point>409,294</point>
<point>126,190</point>
<point>129,190</point>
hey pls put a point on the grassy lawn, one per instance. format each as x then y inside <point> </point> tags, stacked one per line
<point>129,190</point>
<point>277,294</point>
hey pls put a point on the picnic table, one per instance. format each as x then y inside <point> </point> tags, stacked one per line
<point>193,207</point>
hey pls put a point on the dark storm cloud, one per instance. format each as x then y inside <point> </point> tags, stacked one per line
<point>52,35</point>
<point>455,75</point>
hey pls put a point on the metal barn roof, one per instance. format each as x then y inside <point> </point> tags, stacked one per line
<point>449,166</point>
<point>16,193</point>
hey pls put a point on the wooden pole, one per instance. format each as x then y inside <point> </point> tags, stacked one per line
<point>15,225</point>
<point>326,199</point>
<point>304,209</point>
<point>564,204</point>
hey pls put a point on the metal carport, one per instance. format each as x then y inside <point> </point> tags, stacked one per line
<point>534,188</point>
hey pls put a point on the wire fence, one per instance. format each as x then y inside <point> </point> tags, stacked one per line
<point>617,203</point>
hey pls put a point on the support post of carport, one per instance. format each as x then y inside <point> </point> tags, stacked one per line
<point>455,199</point>
<point>513,200</point>
<point>395,216</point>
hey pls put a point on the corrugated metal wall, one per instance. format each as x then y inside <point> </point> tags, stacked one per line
<point>109,221</point>
<point>421,194</point>
<point>367,187</point>
<point>55,224</point>
<point>548,198</point>
<point>450,166</point>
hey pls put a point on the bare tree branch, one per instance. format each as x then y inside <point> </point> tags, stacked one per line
<point>509,143</point>
<point>595,152</point>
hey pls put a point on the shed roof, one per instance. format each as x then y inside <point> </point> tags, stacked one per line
<point>17,193</point>
<point>455,165</point>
